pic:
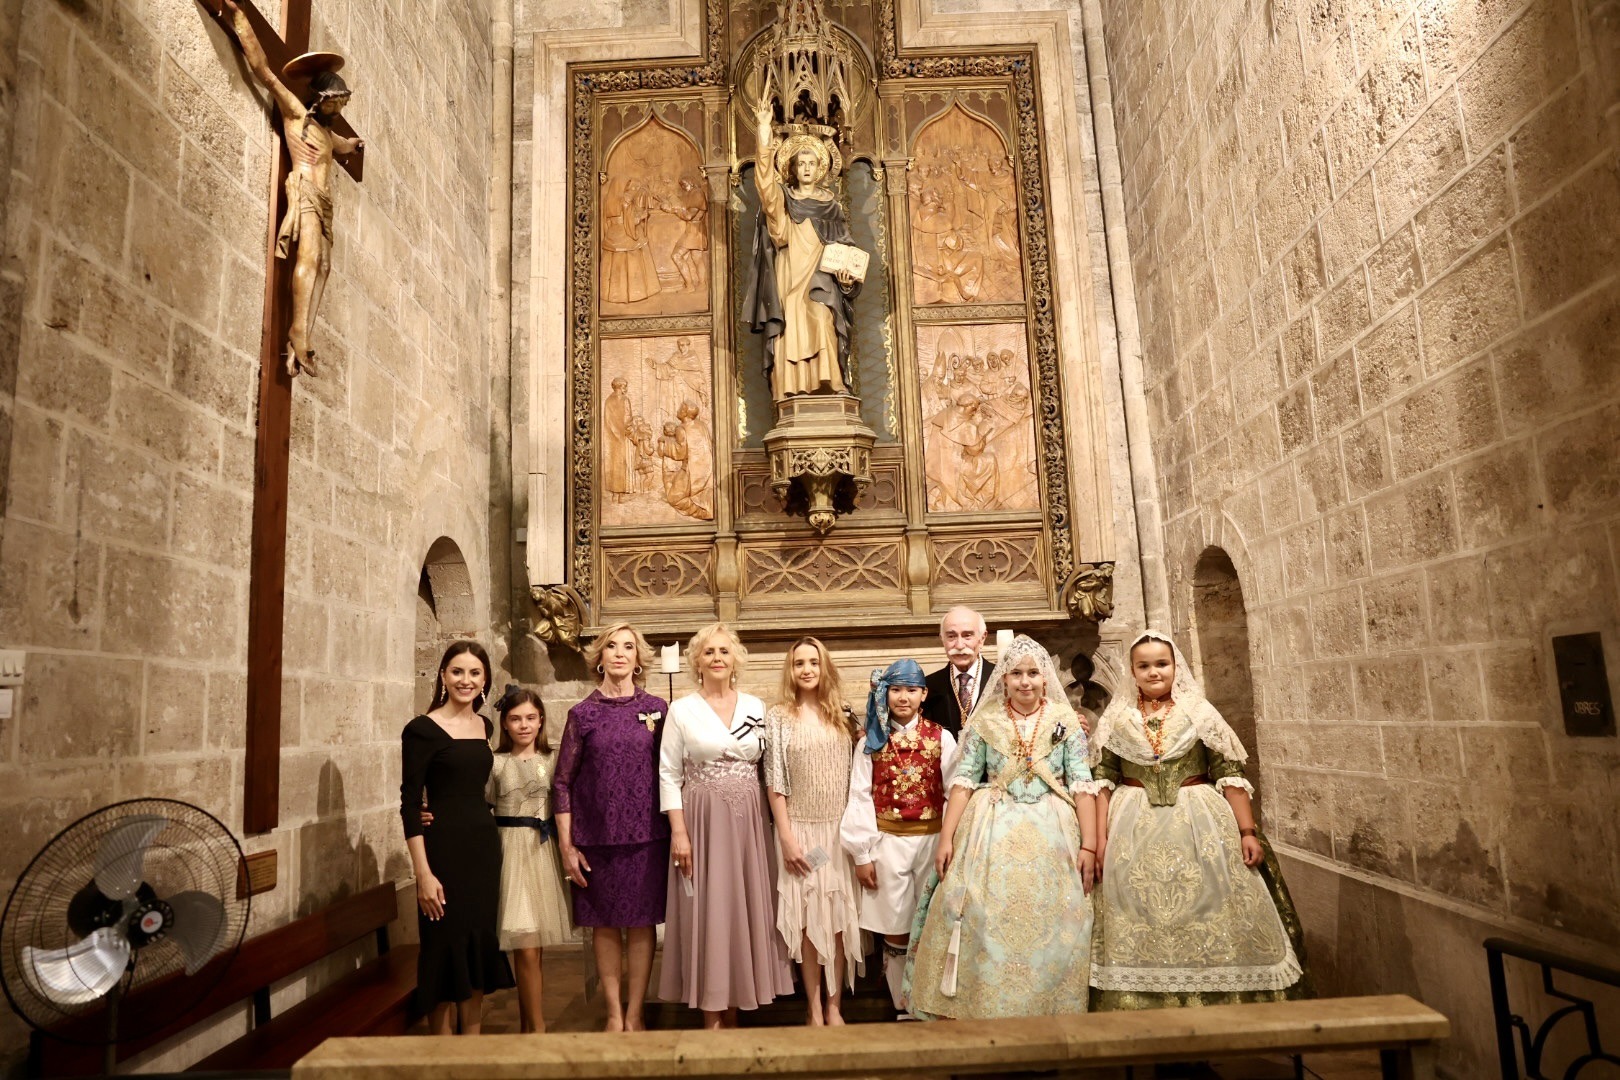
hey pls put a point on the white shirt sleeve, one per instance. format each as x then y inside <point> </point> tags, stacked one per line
<point>672,757</point>
<point>947,758</point>
<point>858,831</point>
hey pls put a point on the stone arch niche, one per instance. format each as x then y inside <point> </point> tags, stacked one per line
<point>444,611</point>
<point>1221,629</point>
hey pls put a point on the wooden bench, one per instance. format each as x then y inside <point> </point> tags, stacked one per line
<point>374,999</point>
<point>1403,1029</point>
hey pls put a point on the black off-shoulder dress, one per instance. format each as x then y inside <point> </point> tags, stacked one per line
<point>461,953</point>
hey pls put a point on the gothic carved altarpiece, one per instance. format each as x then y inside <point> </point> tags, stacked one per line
<point>936,163</point>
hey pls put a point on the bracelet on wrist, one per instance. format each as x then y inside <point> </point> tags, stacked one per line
<point>1248,832</point>
<point>1090,849</point>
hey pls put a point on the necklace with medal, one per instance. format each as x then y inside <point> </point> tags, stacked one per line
<point>1026,744</point>
<point>1153,726</point>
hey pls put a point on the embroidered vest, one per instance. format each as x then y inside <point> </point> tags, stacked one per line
<point>906,785</point>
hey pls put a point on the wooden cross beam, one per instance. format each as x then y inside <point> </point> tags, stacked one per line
<point>267,582</point>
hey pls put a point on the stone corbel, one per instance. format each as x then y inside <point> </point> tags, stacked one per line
<point>561,615</point>
<point>1089,593</point>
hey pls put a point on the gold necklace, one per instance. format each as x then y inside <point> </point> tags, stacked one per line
<point>1026,746</point>
<point>1153,726</point>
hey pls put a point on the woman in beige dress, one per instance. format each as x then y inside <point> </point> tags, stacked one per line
<point>534,909</point>
<point>809,736</point>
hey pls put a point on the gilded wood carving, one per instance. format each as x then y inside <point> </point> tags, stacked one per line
<point>654,232</point>
<point>964,214</point>
<point>975,413</point>
<point>978,418</point>
<point>655,429</point>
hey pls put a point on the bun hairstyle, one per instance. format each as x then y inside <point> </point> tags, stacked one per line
<point>513,696</point>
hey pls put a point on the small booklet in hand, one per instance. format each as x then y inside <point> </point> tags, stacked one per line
<point>837,257</point>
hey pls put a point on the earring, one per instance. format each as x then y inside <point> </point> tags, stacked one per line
<point>637,671</point>
<point>599,669</point>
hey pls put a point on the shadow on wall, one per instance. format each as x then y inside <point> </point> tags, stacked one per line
<point>1221,638</point>
<point>330,865</point>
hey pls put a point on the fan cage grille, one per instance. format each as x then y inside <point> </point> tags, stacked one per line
<point>194,851</point>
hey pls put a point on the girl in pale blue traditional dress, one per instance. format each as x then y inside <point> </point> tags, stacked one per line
<point>1004,926</point>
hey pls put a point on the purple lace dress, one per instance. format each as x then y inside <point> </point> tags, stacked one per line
<point>607,778</point>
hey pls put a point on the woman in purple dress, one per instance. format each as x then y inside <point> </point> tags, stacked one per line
<point>613,839</point>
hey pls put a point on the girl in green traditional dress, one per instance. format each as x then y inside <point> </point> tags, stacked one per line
<point>1192,909</point>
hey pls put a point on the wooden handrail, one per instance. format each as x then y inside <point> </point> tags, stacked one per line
<point>1394,1022</point>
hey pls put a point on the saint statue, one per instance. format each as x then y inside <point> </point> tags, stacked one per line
<point>305,234</point>
<point>806,314</point>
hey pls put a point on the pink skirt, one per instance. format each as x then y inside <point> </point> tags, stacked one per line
<point>721,947</point>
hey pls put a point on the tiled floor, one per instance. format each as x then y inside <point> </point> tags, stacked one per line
<point>568,1009</point>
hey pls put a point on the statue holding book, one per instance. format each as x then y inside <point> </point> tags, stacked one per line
<point>807,269</point>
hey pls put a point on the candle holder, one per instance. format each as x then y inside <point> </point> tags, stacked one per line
<point>669,662</point>
<point>1004,640</point>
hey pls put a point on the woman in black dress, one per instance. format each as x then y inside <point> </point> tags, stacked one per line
<point>458,861</point>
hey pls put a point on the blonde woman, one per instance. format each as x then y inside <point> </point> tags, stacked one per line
<point>721,949</point>
<point>810,734</point>
<point>614,842</point>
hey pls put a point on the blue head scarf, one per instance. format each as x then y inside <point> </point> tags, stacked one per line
<point>899,673</point>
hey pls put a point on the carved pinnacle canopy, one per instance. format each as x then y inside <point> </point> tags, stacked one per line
<point>812,71</point>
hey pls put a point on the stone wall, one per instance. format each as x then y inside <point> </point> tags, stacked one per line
<point>1375,247</point>
<point>133,271</point>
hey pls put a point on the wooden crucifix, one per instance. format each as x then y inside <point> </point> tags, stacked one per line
<point>309,135</point>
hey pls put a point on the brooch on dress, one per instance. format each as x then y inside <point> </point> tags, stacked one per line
<point>744,726</point>
<point>650,719</point>
<point>1058,733</point>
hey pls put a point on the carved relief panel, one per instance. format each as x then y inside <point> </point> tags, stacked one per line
<point>653,256</point>
<point>963,199</point>
<point>655,430</point>
<point>978,418</point>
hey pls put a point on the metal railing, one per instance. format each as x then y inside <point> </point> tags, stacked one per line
<point>1533,1044</point>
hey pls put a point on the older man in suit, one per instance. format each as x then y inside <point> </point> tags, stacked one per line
<point>954,689</point>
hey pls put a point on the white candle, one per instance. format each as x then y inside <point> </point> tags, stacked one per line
<point>669,660</point>
<point>1004,639</point>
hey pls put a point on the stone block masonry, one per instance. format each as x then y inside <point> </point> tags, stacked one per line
<point>1416,206</point>
<point>133,164</point>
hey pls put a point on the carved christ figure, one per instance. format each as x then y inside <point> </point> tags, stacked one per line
<point>305,234</point>
<point>806,314</point>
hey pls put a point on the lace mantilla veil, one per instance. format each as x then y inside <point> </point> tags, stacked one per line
<point>1122,711</point>
<point>994,698</point>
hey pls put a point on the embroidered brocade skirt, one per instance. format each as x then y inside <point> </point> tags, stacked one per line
<point>1180,919</point>
<point>1008,930</point>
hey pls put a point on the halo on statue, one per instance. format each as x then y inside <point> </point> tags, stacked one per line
<point>310,64</point>
<point>827,157</point>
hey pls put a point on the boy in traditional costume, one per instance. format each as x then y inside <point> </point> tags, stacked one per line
<point>896,803</point>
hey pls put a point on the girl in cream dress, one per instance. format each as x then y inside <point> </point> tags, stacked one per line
<point>534,911</point>
<point>809,737</point>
